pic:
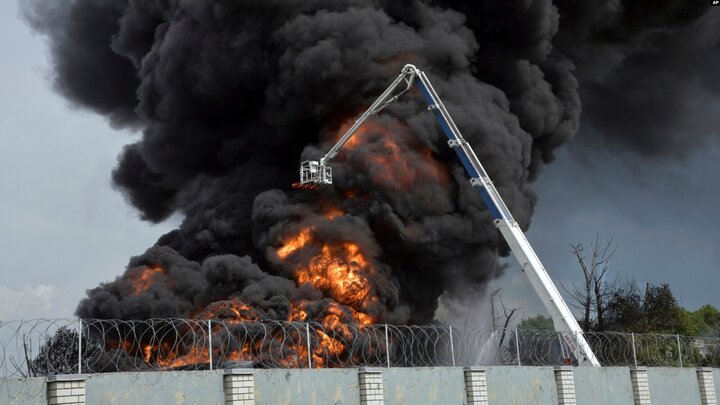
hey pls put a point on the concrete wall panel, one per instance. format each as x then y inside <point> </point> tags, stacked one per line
<point>673,386</point>
<point>307,387</point>
<point>716,380</point>
<point>521,386</point>
<point>23,391</point>
<point>440,385</point>
<point>602,386</point>
<point>162,387</point>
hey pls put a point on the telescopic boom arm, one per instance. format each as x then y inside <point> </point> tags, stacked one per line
<point>407,75</point>
<point>314,174</point>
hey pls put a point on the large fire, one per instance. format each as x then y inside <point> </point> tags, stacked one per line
<point>339,269</point>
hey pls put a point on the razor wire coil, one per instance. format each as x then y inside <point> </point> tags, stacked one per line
<point>41,347</point>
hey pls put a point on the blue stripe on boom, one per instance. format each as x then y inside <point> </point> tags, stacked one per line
<point>494,210</point>
<point>425,92</point>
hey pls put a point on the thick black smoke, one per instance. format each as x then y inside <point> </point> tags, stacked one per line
<point>230,94</point>
<point>647,70</point>
<point>649,73</point>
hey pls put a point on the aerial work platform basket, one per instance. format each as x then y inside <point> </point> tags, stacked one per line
<point>313,175</point>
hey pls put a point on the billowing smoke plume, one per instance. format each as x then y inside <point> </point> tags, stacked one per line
<point>647,69</point>
<point>229,95</point>
<point>649,72</point>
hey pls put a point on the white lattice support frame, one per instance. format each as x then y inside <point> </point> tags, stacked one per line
<point>66,389</point>
<point>476,386</point>
<point>707,386</point>
<point>641,388</point>
<point>565,382</point>
<point>371,386</point>
<point>239,386</point>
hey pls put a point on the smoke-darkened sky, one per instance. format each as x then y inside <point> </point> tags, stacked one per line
<point>641,167</point>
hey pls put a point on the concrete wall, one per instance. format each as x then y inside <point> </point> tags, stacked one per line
<point>602,386</point>
<point>167,387</point>
<point>716,378</point>
<point>22,391</point>
<point>299,386</point>
<point>521,385</point>
<point>442,385</point>
<point>672,386</point>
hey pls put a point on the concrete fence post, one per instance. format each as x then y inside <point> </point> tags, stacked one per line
<point>387,346</point>
<point>565,382</point>
<point>371,386</point>
<point>641,389</point>
<point>476,386</point>
<point>452,347</point>
<point>66,389</point>
<point>707,386</point>
<point>679,350</point>
<point>307,338</point>
<point>239,386</point>
<point>517,346</point>
<point>79,346</point>
<point>634,351</point>
<point>210,344</point>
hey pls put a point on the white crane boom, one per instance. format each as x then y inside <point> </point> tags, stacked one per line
<point>316,173</point>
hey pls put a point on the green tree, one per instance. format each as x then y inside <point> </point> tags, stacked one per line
<point>711,317</point>
<point>662,312</point>
<point>703,322</point>
<point>655,311</point>
<point>537,323</point>
<point>624,310</point>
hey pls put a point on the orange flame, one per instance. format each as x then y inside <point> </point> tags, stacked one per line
<point>196,355</point>
<point>295,243</point>
<point>360,135</point>
<point>142,281</point>
<point>339,271</point>
<point>232,309</point>
<point>327,347</point>
<point>331,342</point>
<point>148,350</point>
<point>396,160</point>
<point>332,213</point>
<point>298,314</point>
<point>241,354</point>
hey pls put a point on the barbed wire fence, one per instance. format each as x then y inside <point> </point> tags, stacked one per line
<point>30,348</point>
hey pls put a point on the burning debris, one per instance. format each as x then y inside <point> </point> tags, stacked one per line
<point>228,94</point>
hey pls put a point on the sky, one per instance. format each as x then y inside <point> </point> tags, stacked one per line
<point>57,207</point>
<point>661,217</point>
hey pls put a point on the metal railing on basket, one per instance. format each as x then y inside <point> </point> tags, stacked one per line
<point>65,346</point>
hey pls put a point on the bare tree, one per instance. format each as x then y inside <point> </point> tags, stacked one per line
<point>590,296</point>
<point>507,314</point>
<point>580,296</point>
